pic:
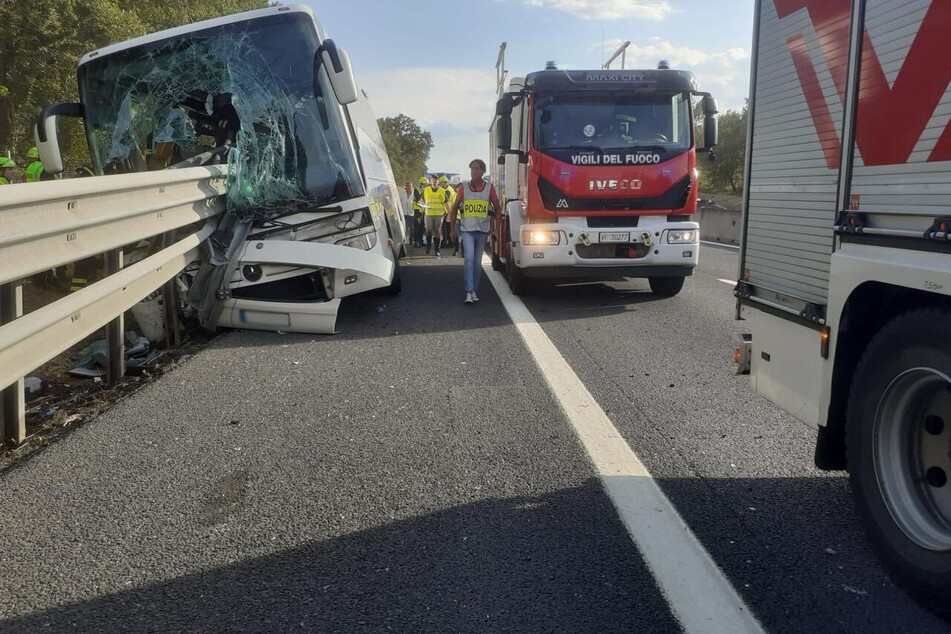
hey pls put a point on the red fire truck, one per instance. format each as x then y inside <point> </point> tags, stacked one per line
<point>596,170</point>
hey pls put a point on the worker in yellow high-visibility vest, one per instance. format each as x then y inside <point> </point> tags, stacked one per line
<point>34,171</point>
<point>436,205</point>
<point>6,170</point>
<point>446,229</point>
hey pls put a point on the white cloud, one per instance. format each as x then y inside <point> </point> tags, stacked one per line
<point>457,114</point>
<point>678,56</point>
<point>726,71</point>
<point>608,9</point>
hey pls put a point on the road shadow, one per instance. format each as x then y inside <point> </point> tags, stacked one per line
<point>558,562</point>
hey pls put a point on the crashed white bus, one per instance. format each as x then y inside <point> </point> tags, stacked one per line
<point>313,210</point>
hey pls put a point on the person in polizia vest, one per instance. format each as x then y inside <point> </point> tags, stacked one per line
<point>478,204</point>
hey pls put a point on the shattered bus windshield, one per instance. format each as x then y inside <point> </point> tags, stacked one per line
<point>242,94</point>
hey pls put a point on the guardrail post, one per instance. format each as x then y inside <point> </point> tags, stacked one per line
<point>173,333</point>
<point>115,329</point>
<point>12,401</point>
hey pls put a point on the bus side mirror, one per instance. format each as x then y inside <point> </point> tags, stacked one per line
<point>47,137</point>
<point>503,132</point>
<point>337,62</point>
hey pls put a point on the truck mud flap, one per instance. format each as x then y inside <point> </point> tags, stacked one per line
<point>308,317</point>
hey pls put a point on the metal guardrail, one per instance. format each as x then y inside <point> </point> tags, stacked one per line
<point>58,222</point>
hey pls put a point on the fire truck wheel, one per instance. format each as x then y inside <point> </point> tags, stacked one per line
<point>497,264</point>
<point>666,286</point>
<point>898,445</point>
<point>516,279</point>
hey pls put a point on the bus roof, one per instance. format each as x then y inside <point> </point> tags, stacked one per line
<point>199,26</point>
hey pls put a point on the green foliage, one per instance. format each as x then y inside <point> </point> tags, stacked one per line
<point>42,41</point>
<point>725,174</point>
<point>408,146</point>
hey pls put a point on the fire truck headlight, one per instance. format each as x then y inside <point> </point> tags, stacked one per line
<point>545,238</point>
<point>682,236</point>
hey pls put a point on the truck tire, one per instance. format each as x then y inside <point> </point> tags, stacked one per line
<point>666,286</point>
<point>497,264</point>
<point>898,447</point>
<point>516,279</point>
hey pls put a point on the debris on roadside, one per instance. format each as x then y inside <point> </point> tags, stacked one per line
<point>139,357</point>
<point>33,385</point>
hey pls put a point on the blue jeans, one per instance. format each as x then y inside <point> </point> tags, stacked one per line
<point>473,244</point>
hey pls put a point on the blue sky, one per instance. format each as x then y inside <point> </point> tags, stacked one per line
<point>435,61</point>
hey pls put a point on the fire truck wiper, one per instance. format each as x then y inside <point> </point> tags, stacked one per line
<point>647,148</point>
<point>582,148</point>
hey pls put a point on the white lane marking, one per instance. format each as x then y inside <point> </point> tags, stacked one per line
<point>726,281</point>
<point>719,244</point>
<point>699,594</point>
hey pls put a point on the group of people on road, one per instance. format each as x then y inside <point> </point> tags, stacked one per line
<point>439,216</point>
<point>427,213</point>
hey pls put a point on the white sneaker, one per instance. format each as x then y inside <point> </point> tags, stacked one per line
<point>475,297</point>
<point>469,295</point>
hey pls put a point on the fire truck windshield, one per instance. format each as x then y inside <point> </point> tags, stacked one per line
<point>569,123</point>
<point>242,93</point>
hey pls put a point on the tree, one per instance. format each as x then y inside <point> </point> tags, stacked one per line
<point>726,172</point>
<point>408,146</point>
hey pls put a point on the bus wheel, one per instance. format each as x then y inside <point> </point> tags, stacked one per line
<point>396,286</point>
<point>898,445</point>
<point>666,286</point>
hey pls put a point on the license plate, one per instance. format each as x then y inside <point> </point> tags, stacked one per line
<point>620,236</point>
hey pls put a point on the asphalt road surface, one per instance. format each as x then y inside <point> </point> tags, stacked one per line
<point>416,473</point>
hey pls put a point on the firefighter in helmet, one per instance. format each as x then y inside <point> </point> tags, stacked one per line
<point>6,170</point>
<point>34,170</point>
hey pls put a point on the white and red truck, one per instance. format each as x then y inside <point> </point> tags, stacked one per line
<point>597,172</point>
<point>845,268</point>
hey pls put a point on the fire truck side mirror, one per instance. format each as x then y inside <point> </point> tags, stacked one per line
<point>503,107</point>
<point>711,132</point>
<point>503,133</point>
<point>710,105</point>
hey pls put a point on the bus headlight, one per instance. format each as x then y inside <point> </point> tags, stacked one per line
<point>365,242</point>
<point>544,238</point>
<point>682,236</point>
